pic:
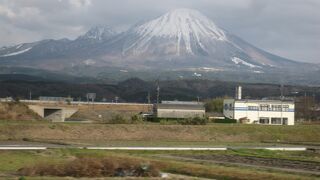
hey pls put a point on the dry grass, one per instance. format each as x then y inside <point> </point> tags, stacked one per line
<point>99,115</point>
<point>176,133</point>
<point>105,113</point>
<point>213,171</point>
<point>93,167</point>
<point>16,111</point>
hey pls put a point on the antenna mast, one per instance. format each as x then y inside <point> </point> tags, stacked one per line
<point>281,91</point>
<point>158,91</point>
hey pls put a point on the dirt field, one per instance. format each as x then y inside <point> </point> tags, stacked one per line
<point>219,133</point>
<point>302,166</point>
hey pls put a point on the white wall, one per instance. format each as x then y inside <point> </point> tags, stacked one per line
<point>241,110</point>
<point>179,113</point>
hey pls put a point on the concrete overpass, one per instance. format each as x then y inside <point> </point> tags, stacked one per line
<point>58,111</point>
<point>53,113</point>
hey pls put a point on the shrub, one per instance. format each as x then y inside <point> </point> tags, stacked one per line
<point>226,120</point>
<point>214,105</point>
<point>83,167</point>
<point>194,121</point>
<point>118,119</point>
<point>136,119</point>
<point>93,167</point>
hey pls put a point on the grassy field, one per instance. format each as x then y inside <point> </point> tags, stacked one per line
<point>157,135</point>
<point>11,161</point>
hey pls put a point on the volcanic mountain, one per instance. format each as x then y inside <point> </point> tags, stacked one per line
<point>179,32</point>
<point>179,39</point>
<point>187,38</point>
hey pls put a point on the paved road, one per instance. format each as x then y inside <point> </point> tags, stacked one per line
<point>32,147</point>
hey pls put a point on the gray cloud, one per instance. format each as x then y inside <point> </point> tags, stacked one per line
<point>289,28</point>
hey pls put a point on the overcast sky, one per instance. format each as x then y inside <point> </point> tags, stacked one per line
<point>289,28</point>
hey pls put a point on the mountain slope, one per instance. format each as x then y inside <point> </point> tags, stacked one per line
<point>186,38</point>
<point>56,54</point>
<point>180,40</point>
<point>98,33</point>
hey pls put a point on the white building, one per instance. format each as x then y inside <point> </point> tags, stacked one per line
<point>273,112</point>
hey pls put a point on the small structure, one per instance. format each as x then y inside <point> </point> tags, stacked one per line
<point>179,109</point>
<point>53,113</point>
<point>273,112</point>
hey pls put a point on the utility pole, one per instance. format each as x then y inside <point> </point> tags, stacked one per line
<point>306,107</point>
<point>158,94</point>
<point>30,95</point>
<point>148,98</point>
<point>158,91</point>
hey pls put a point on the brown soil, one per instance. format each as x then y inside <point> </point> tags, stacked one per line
<point>261,162</point>
<point>144,132</point>
<point>16,111</point>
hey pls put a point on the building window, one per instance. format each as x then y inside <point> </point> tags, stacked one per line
<point>264,107</point>
<point>276,121</point>
<point>276,107</point>
<point>285,108</point>
<point>264,120</point>
<point>226,107</point>
<point>285,121</point>
<point>253,108</point>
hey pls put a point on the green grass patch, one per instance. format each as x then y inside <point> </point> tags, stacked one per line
<point>290,155</point>
<point>11,161</point>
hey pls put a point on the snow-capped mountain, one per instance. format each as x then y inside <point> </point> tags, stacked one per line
<point>56,54</point>
<point>189,35</point>
<point>99,33</point>
<point>180,39</point>
<point>184,31</point>
<point>16,49</point>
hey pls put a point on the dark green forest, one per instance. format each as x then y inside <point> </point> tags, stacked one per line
<point>137,90</point>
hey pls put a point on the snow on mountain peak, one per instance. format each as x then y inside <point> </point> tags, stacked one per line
<point>239,61</point>
<point>99,33</point>
<point>182,23</point>
<point>187,27</point>
<point>17,52</point>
